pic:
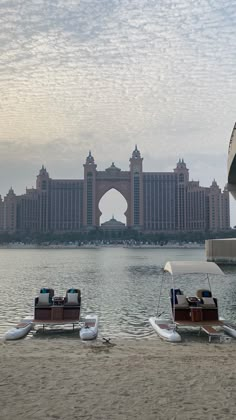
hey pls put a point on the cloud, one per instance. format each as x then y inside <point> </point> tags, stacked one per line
<point>105,75</point>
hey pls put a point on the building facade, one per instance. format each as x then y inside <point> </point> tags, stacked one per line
<point>156,201</point>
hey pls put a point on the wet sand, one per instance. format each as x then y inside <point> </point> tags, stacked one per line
<point>148,379</point>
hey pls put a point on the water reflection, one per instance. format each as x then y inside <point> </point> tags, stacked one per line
<point>145,270</point>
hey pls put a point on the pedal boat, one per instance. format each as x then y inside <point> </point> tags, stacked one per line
<point>199,311</point>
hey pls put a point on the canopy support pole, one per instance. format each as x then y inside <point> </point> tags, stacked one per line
<point>208,279</point>
<point>159,299</point>
<point>173,309</point>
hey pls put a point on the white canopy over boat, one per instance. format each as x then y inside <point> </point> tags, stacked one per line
<point>192,267</point>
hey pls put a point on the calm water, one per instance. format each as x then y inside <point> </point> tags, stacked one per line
<point>121,285</point>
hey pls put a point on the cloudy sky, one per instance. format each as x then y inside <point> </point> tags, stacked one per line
<point>105,75</point>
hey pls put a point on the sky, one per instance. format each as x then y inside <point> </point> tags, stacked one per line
<point>104,75</point>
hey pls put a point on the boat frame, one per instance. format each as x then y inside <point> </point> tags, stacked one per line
<point>48,323</point>
<point>196,316</point>
<point>50,310</point>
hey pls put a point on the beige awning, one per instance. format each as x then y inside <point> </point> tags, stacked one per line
<point>192,267</point>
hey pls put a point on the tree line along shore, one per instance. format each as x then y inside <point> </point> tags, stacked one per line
<point>127,236</point>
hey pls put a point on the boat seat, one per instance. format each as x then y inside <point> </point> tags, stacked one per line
<point>43,299</point>
<point>179,299</point>
<point>175,294</point>
<point>208,302</point>
<point>72,297</point>
<point>181,306</point>
<point>206,299</point>
<point>181,302</point>
<point>203,293</point>
<point>45,296</point>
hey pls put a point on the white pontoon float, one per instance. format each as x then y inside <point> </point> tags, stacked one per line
<point>20,330</point>
<point>89,331</point>
<point>199,311</point>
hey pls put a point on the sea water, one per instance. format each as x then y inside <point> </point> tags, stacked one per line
<point>121,285</point>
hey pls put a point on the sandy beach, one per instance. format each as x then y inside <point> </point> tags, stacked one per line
<point>148,379</point>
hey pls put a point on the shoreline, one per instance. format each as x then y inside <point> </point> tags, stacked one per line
<point>129,379</point>
<point>28,246</point>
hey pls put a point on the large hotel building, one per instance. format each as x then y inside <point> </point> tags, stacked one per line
<point>156,201</point>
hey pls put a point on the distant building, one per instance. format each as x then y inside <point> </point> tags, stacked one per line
<point>156,201</point>
<point>113,225</point>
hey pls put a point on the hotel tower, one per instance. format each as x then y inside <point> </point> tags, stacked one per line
<point>156,201</point>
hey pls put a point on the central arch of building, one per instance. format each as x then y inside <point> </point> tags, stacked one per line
<point>128,183</point>
<point>105,181</point>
